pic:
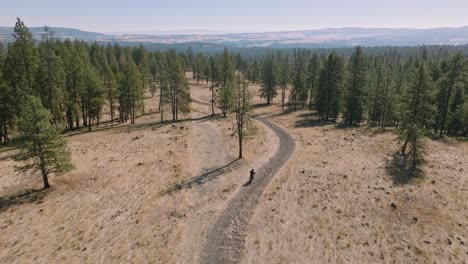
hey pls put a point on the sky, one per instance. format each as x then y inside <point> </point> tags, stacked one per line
<point>234,15</point>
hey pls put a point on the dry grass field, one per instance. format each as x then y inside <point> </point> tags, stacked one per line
<point>333,201</point>
<point>149,192</point>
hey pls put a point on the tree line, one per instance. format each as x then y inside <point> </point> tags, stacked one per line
<point>77,82</point>
<point>360,88</point>
<point>418,94</point>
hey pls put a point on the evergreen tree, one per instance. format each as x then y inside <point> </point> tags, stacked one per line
<point>110,79</point>
<point>164,91</point>
<point>73,62</point>
<point>417,112</point>
<point>42,148</point>
<point>19,69</point>
<point>463,118</point>
<point>6,104</point>
<point>299,91</point>
<point>455,115</point>
<point>22,57</point>
<point>312,75</point>
<point>269,79</point>
<point>215,82</point>
<point>284,78</point>
<point>130,91</point>
<point>354,104</point>
<point>226,93</point>
<point>453,78</point>
<point>242,109</point>
<point>329,90</point>
<point>179,87</point>
<point>154,71</point>
<point>50,76</point>
<point>92,96</point>
<point>6,111</point>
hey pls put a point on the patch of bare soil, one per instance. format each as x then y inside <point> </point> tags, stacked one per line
<point>338,200</point>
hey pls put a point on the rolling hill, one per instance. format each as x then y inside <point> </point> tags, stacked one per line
<point>320,38</point>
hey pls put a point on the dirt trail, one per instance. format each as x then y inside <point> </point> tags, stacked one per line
<point>210,152</point>
<point>225,240</point>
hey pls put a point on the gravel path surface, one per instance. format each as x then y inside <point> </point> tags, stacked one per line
<point>226,238</point>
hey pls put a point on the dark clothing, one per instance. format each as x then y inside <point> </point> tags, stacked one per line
<point>252,173</point>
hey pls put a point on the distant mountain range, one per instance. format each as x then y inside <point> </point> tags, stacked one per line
<point>321,38</point>
<point>63,33</point>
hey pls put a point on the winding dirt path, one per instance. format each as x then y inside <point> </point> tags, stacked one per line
<point>225,240</point>
<point>210,152</point>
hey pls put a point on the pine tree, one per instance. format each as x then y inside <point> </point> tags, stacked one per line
<point>313,69</point>
<point>20,67</point>
<point>110,79</point>
<point>50,76</point>
<point>463,118</point>
<point>269,79</point>
<point>417,112</point>
<point>242,109</point>
<point>329,89</point>
<point>455,115</point>
<point>226,93</point>
<point>42,148</point>
<point>130,90</point>
<point>386,81</point>
<point>355,93</point>
<point>179,87</point>
<point>23,57</point>
<point>299,91</point>
<point>284,78</point>
<point>215,82</point>
<point>73,62</point>
<point>164,91</point>
<point>154,71</point>
<point>6,111</point>
<point>453,78</point>
<point>6,104</point>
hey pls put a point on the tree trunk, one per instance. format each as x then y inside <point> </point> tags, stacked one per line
<point>403,149</point>
<point>45,178</point>
<point>446,106</point>
<point>212,99</point>
<point>240,143</point>
<point>283,95</point>
<point>5,132</point>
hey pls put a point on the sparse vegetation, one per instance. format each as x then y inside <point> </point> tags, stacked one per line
<point>42,148</point>
<point>355,188</point>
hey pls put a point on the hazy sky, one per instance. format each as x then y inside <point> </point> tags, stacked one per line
<point>234,15</point>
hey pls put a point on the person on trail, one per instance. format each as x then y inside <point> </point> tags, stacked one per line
<point>252,173</point>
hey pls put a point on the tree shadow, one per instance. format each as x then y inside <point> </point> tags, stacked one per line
<point>261,105</point>
<point>208,175</point>
<point>28,196</point>
<point>201,102</point>
<point>282,113</point>
<point>7,157</point>
<point>11,145</point>
<point>121,127</point>
<point>311,119</point>
<point>159,124</point>
<point>95,129</point>
<point>400,169</point>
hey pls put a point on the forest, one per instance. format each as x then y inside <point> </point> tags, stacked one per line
<point>420,91</point>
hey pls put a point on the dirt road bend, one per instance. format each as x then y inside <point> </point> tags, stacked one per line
<point>225,240</point>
